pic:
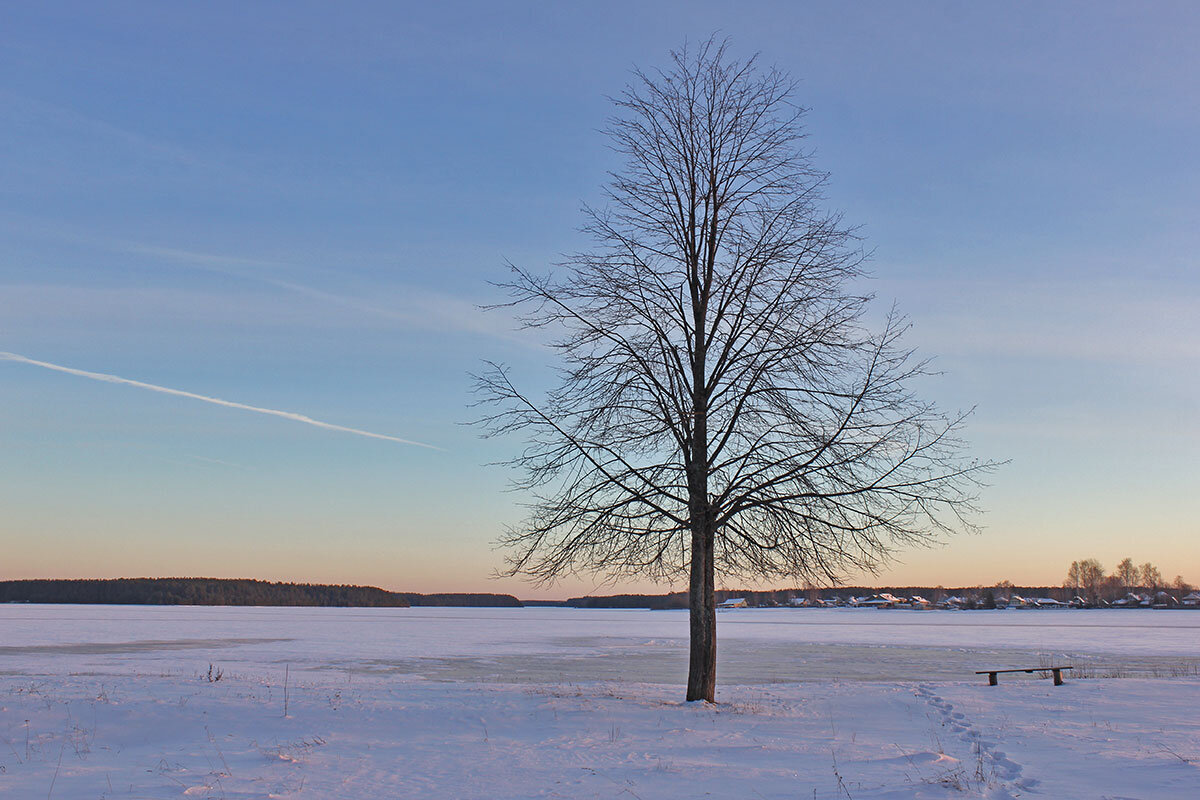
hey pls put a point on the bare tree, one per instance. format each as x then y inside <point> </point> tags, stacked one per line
<point>1088,575</point>
<point>1149,576</point>
<point>1110,588</point>
<point>1074,580</point>
<point>1128,574</point>
<point>723,407</point>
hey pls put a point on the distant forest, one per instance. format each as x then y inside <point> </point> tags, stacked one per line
<point>229,592</point>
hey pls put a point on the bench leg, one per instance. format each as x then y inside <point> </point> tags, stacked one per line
<point>992,679</point>
<point>1057,677</point>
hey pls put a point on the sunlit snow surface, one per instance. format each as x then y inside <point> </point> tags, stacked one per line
<point>117,702</point>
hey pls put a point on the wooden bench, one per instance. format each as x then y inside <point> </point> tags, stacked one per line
<point>992,673</point>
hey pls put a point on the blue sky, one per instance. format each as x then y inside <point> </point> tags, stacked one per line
<point>297,206</point>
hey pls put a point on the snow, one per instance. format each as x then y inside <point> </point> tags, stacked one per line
<point>117,702</point>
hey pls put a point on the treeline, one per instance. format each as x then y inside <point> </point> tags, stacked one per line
<point>652,601</point>
<point>462,599</point>
<point>783,597</point>
<point>1088,579</point>
<point>228,592</point>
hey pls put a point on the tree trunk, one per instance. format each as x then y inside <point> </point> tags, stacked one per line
<point>702,602</point>
<point>702,596</point>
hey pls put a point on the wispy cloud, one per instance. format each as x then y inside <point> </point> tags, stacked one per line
<point>1128,321</point>
<point>45,115</point>
<point>100,376</point>
<point>211,261</point>
<point>417,308</point>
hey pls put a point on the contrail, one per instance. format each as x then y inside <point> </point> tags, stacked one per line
<point>100,376</point>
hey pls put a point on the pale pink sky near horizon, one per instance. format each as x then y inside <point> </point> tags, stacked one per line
<point>965,561</point>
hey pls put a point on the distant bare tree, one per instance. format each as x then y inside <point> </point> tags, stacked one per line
<point>1181,586</point>
<point>1149,577</point>
<point>1091,576</point>
<point>1110,588</point>
<point>723,407</point>
<point>1128,574</point>
<point>1074,580</point>
<point>1086,578</point>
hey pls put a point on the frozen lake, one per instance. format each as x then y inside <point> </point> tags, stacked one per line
<point>537,644</point>
<point>342,704</point>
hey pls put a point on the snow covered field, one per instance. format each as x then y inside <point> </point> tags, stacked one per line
<point>119,702</point>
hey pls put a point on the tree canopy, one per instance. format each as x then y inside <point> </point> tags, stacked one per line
<point>724,408</point>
